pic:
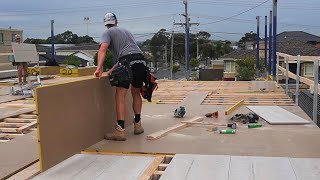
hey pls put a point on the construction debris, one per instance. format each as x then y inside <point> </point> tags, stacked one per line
<point>245,118</point>
<point>214,114</point>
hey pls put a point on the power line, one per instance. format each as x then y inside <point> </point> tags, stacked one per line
<point>88,8</point>
<point>237,14</point>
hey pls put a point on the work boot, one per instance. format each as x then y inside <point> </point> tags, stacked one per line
<point>118,135</point>
<point>138,129</point>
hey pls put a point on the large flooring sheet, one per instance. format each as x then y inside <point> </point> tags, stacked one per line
<point>189,167</point>
<point>18,153</point>
<point>85,166</point>
<point>277,115</point>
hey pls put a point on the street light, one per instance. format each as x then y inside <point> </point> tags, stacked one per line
<point>86,19</point>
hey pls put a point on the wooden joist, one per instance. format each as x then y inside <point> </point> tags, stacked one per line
<point>10,135</point>
<point>234,107</point>
<point>174,128</point>
<point>18,120</point>
<point>202,123</point>
<point>27,126</point>
<point>152,168</point>
<point>27,116</point>
<point>12,125</point>
<point>8,130</point>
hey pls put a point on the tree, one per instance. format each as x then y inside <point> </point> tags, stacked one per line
<point>207,50</point>
<point>194,62</point>
<point>203,35</point>
<point>157,42</point>
<point>108,61</point>
<point>249,37</point>
<point>175,69</point>
<point>72,60</point>
<point>246,70</point>
<point>66,37</point>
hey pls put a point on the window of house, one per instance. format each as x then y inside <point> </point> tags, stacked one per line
<point>230,67</point>
<point>1,38</point>
<point>308,69</point>
<point>13,37</point>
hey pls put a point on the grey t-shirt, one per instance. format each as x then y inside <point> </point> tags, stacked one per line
<point>120,41</point>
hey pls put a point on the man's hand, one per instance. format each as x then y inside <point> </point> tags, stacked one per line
<point>98,73</point>
<point>109,73</point>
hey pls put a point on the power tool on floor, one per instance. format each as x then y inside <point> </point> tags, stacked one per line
<point>180,112</point>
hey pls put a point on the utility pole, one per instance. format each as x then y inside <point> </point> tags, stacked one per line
<point>265,41</point>
<point>275,10</point>
<point>171,59</point>
<point>197,48</point>
<point>270,44</point>
<point>315,91</point>
<point>187,25</point>
<point>166,53</point>
<point>86,19</point>
<point>52,42</point>
<point>258,47</point>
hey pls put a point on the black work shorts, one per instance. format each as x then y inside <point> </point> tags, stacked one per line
<point>139,74</point>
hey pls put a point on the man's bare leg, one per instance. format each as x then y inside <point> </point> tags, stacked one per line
<point>20,73</point>
<point>137,106</point>
<point>119,134</point>
<point>137,101</point>
<point>121,102</point>
<point>25,72</point>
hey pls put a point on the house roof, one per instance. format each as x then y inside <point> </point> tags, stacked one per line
<point>298,36</point>
<point>81,47</point>
<point>239,53</point>
<point>59,59</point>
<point>296,47</point>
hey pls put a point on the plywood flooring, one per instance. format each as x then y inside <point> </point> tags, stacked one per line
<point>277,115</point>
<point>186,166</point>
<point>84,166</point>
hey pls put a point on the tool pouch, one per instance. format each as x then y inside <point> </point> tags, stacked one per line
<point>120,76</point>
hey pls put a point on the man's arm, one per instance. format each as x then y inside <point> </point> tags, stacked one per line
<point>102,54</point>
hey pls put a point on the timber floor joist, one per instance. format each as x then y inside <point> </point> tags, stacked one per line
<point>249,99</point>
<point>18,124</point>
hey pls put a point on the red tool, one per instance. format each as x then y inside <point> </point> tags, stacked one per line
<point>214,114</point>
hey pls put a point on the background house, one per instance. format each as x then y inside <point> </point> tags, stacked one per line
<point>7,36</point>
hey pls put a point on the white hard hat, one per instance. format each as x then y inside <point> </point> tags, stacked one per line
<point>110,18</point>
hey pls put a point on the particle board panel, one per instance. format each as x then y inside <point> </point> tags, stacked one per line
<point>10,112</point>
<point>17,153</point>
<point>9,98</point>
<point>277,115</point>
<point>270,140</point>
<point>191,166</point>
<point>187,166</point>
<point>85,166</point>
<point>272,168</point>
<point>306,168</point>
<point>73,116</point>
<point>24,52</point>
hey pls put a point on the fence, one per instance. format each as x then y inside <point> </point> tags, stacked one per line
<point>305,102</point>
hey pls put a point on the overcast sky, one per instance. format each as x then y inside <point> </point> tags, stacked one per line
<point>148,16</point>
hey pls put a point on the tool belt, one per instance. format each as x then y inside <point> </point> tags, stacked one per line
<point>122,76</point>
<point>130,57</point>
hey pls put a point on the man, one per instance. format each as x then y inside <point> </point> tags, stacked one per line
<point>123,46</point>
<point>22,66</point>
